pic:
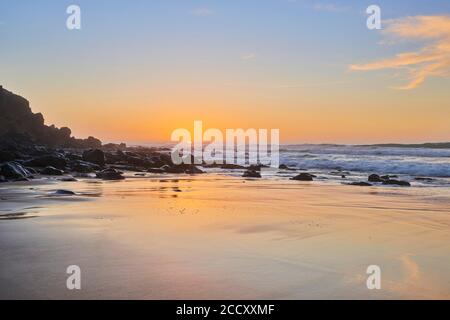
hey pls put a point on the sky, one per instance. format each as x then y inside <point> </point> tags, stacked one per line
<point>137,70</point>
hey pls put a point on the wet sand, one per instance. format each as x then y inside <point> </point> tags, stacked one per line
<point>219,237</point>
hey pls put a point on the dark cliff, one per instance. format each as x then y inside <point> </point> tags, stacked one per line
<point>19,125</point>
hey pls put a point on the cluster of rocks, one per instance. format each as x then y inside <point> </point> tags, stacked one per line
<point>388,180</point>
<point>384,180</point>
<point>105,165</point>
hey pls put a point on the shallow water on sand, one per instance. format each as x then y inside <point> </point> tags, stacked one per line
<point>213,236</point>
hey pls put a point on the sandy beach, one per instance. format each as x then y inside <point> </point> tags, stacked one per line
<point>214,236</point>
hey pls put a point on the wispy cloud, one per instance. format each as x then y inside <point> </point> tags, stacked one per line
<point>431,60</point>
<point>248,56</point>
<point>202,12</point>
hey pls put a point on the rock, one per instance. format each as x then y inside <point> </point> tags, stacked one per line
<point>112,158</point>
<point>361,184</point>
<point>193,170</point>
<point>69,179</point>
<point>375,178</point>
<point>254,167</point>
<point>304,177</point>
<point>95,156</point>
<point>31,170</point>
<point>52,171</point>
<point>13,170</point>
<point>252,174</point>
<point>7,156</point>
<point>182,168</point>
<point>424,179</point>
<point>21,179</point>
<point>62,192</point>
<point>110,174</point>
<point>231,166</point>
<point>387,177</point>
<point>285,167</point>
<point>397,182</point>
<point>74,157</point>
<point>56,161</point>
<point>2,179</point>
<point>83,166</point>
<point>156,170</point>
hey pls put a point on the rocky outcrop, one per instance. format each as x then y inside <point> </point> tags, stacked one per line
<point>53,160</point>
<point>19,126</point>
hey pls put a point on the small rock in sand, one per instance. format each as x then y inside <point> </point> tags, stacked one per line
<point>251,174</point>
<point>62,192</point>
<point>375,178</point>
<point>397,183</point>
<point>110,174</point>
<point>361,184</point>
<point>304,177</point>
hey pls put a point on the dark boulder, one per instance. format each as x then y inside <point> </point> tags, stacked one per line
<point>193,170</point>
<point>110,174</point>
<point>7,156</point>
<point>69,179</point>
<point>74,157</point>
<point>52,171</point>
<point>285,167</point>
<point>252,174</point>
<point>231,166</point>
<point>95,156</point>
<point>255,167</point>
<point>31,170</point>
<point>3,179</point>
<point>13,170</point>
<point>397,183</point>
<point>361,184</point>
<point>424,179</point>
<point>62,192</point>
<point>304,177</point>
<point>83,166</point>
<point>57,161</point>
<point>375,178</point>
<point>156,170</point>
<point>182,168</point>
<point>387,177</point>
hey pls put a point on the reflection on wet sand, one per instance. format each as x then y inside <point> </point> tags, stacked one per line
<point>221,237</point>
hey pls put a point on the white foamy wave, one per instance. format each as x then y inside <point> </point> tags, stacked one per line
<point>414,161</point>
